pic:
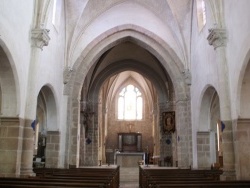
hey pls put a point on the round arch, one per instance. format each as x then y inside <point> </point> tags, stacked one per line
<point>208,123</point>
<point>9,83</point>
<point>49,103</point>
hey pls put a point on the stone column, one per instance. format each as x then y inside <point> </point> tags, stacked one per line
<point>217,38</point>
<point>183,133</point>
<point>39,38</point>
<point>91,153</point>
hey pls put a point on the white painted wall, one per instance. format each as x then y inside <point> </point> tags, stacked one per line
<point>238,26</point>
<point>15,24</point>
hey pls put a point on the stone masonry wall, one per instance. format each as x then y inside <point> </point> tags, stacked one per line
<point>52,149</point>
<point>203,150</point>
<point>10,150</point>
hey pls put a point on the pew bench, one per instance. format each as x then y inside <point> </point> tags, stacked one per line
<point>84,177</point>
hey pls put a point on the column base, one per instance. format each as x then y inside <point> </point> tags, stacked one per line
<point>27,172</point>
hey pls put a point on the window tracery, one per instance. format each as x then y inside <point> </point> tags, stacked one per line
<point>130,103</point>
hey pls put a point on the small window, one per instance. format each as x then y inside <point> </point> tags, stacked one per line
<point>201,13</point>
<point>130,104</point>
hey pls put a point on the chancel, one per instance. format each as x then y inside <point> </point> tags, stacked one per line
<point>130,149</point>
<point>118,84</point>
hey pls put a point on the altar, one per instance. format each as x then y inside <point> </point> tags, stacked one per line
<point>128,159</point>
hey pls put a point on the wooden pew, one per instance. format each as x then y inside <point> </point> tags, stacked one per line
<point>157,178</point>
<point>82,177</point>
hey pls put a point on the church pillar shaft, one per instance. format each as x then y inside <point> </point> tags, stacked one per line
<point>183,133</point>
<point>91,133</point>
<point>217,38</point>
<point>27,149</point>
<point>30,115</point>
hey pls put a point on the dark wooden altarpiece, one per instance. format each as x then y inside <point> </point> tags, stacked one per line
<point>130,142</point>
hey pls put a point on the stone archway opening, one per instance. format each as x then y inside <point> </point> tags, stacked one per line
<point>209,150</point>
<point>47,136</point>
<point>126,63</point>
<point>10,122</point>
<point>85,81</point>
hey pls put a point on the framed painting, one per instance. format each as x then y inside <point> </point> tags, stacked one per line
<point>168,122</point>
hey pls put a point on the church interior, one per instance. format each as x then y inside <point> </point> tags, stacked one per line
<point>125,83</point>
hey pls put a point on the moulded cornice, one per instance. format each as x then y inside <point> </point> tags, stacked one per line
<point>40,37</point>
<point>217,37</point>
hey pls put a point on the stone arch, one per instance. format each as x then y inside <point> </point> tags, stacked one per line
<point>156,47</point>
<point>51,107</point>
<point>47,117</point>
<point>133,65</point>
<point>207,146</point>
<point>208,99</point>
<point>9,111</point>
<point>9,83</point>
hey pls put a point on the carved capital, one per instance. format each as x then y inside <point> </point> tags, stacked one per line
<point>40,37</point>
<point>217,37</point>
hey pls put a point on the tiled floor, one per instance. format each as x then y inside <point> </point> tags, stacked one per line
<point>129,177</point>
<point>129,185</point>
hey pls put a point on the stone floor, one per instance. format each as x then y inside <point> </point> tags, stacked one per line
<point>129,177</point>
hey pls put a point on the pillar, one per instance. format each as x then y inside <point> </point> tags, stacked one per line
<point>217,38</point>
<point>39,38</point>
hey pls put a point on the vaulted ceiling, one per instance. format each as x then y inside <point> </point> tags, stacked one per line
<point>170,20</point>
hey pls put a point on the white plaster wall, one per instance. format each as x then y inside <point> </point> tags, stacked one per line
<point>15,24</point>
<point>51,67</point>
<point>238,26</point>
<point>204,73</point>
<point>16,18</point>
<point>203,62</point>
<point>51,63</point>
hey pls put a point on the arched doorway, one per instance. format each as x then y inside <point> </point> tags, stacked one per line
<point>209,152</point>
<point>47,136</point>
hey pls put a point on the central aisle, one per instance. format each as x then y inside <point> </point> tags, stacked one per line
<point>129,177</point>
